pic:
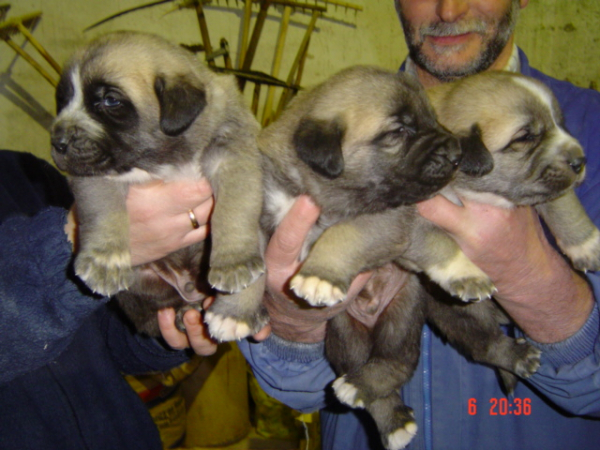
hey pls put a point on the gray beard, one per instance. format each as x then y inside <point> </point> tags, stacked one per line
<point>492,47</point>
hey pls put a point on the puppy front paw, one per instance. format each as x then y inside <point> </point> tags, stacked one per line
<point>463,279</point>
<point>347,393</point>
<point>233,275</point>
<point>471,289</point>
<point>105,272</point>
<point>316,291</point>
<point>585,256</point>
<point>236,316</point>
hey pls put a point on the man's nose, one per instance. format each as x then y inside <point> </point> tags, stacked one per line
<point>452,10</point>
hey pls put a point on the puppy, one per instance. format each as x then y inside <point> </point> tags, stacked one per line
<point>536,162</point>
<point>132,108</point>
<point>364,144</point>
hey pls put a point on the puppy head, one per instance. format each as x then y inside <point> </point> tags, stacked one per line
<point>372,130</point>
<point>123,101</point>
<point>535,159</point>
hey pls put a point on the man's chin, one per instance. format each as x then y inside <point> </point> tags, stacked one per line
<point>451,60</point>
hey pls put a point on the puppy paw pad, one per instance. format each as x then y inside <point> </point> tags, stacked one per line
<point>400,438</point>
<point>316,291</point>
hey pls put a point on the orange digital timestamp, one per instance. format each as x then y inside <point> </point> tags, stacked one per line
<point>503,407</point>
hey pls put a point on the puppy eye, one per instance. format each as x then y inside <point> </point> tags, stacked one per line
<point>111,102</point>
<point>525,137</point>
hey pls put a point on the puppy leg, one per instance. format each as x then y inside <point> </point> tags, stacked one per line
<point>345,358</point>
<point>236,259</point>
<point>474,330</point>
<point>103,260</point>
<point>395,350</point>
<point>395,421</point>
<point>236,316</point>
<point>343,251</point>
<point>438,255</point>
<point>575,233</point>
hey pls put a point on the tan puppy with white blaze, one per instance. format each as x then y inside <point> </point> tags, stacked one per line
<point>536,161</point>
<point>132,108</point>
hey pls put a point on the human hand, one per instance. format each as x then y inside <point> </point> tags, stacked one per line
<point>292,318</point>
<point>196,334</point>
<point>536,286</point>
<point>159,220</point>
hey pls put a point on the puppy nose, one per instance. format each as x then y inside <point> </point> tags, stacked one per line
<point>577,164</point>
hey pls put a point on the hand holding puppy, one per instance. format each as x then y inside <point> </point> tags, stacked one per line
<point>536,286</point>
<point>291,318</point>
<point>159,217</point>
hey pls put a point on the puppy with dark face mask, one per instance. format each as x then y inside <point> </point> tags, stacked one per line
<point>364,144</point>
<point>132,108</point>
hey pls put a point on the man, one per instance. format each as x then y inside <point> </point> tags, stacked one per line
<point>552,305</point>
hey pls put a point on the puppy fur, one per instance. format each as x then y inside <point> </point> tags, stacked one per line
<point>132,108</point>
<point>365,145</point>
<point>536,162</point>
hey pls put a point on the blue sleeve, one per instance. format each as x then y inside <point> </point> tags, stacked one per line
<point>40,304</point>
<point>132,352</point>
<point>570,371</point>
<point>294,373</point>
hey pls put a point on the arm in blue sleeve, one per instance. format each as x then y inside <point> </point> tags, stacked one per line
<point>136,353</point>
<point>41,305</point>
<point>294,373</point>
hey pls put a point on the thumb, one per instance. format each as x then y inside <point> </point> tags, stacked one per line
<point>442,212</point>
<point>286,244</point>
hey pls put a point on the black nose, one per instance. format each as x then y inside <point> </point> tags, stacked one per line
<point>577,164</point>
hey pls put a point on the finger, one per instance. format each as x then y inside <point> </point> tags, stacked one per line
<point>166,322</point>
<point>188,194</point>
<point>441,211</point>
<point>262,334</point>
<point>286,243</point>
<point>197,335</point>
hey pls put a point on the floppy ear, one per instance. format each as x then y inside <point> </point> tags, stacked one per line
<point>319,144</point>
<point>180,103</point>
<point>476,158</point>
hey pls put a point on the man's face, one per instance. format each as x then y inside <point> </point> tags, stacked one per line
<point>456,38</point>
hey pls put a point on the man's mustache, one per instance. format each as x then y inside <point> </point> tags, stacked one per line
<point>442,29</point>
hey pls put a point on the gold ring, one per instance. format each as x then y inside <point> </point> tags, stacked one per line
<point>195,224</point>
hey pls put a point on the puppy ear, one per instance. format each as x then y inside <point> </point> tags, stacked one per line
<point>476,158</point>
<point>180,103</point>
<point>319,144</point>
